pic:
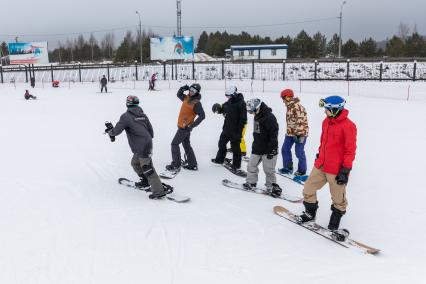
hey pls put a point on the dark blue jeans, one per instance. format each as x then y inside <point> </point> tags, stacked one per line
<point>300,153</point>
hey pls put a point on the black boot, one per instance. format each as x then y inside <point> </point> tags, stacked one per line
<point>310,212</point>
<point>143,184</point>
<point>276,190</point>
<point>249,186</point>
<point>335,217</point>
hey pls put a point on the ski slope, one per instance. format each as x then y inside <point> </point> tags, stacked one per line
<point>65,219</point>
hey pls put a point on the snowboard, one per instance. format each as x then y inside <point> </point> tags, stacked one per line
<point>298,179</point>
<point>263,191</point>
<point>169,174</point>
<point>228,165</point>
<point>171,196</point>
<point>324,232</point>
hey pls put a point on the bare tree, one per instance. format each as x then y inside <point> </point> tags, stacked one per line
<point>403,31</point>
<point>107,45</point>
<point>92,43</point>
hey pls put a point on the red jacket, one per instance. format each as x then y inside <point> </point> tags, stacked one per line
<point>338,144</point>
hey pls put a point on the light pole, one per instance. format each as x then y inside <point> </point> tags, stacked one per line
<point>140,33</point>
<point>340,30</point>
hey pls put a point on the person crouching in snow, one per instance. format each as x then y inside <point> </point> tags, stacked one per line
<point>28,96</point>
<point>264,148</point>
<point>297,133</point>
<point>139,134</point>
<point>333,162</point>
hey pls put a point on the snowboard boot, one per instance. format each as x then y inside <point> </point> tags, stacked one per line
<point>275,190</point>
<point>340,235</point>
<point>310,212</point>
<point>172,168</point>
<point>191,168</point>
<point>167,188</point>
<point>143,184</point>
<point>157,195</point>
<point>335,217</point>
<point>286,170</point>
<point>214,161</point>
<point>249,186</point>
<point>299,173</point>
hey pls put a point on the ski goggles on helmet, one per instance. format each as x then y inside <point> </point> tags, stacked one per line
<point>193,90</point>
<point>330,106</point>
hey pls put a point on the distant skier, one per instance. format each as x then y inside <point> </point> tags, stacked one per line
<point>139,134</point>
<point>297,133</point>
<point>152,82</point>
<point>264,148</point>
<point>32,81</point>
<point>190,116</point>
<point>235,113</point>
<point>55,83</point>
<point>333,162</point>
<point>28,96</point>
<point>104,83</point>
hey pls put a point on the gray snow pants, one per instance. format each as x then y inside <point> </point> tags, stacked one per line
<point>268,168</point>
<point>144,168</point>
<point>183,136</point>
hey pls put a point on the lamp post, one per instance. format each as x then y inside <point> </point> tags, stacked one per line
<point>140,34</point>
<point>340,29</point>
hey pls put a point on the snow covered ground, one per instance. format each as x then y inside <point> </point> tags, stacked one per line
<point>65,219</point>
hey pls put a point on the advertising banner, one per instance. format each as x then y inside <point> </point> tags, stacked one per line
<point>28,53</point>
<point>172,48</point>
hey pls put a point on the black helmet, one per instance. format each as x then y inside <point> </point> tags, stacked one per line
<point>132,101</point>
<point>195,88</point>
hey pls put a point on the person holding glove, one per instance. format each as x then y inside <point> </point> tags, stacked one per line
<point>297,133</point>
<point>264,148</point>
<point>333,162</point>
<point>190,116</point>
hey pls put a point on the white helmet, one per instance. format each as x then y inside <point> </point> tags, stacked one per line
<point>253,105</point>
<point>230,91</point>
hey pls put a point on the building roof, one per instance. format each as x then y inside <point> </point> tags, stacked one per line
<point>259,46</point>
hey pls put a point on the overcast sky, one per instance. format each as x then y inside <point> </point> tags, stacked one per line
<point>361,18</point>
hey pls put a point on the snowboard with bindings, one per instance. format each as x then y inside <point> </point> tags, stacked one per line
<point>171,196</point>
<point>227,164</point>
<point>284,196</point>
<point>336,237</point>
<point>169,174</point>
<point>298,179</point>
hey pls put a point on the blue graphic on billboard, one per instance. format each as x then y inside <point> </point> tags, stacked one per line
<point>172,48</point>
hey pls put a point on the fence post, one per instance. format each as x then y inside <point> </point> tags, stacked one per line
<point>381,71</point>
<point>26,74</point>
<point>164,71</point>
<point>252,70</point>
<point>283,70</point>
<point>51,71</point>
<point>316,70</point>
<point>414,70</point>
<point>347,69</point>
<point>1,74</point>
<point>108,71</point>
<point>173,71</point>
<point>223,70</point>
<point>79,72</point>
<point>136,71</point>
<point>176,70</point>
<point>193,70</point>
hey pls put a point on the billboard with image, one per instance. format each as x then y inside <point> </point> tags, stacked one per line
<point>172,48</point>
<point>28,53</point>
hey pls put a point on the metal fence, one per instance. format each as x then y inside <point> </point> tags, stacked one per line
<point>220,70</point>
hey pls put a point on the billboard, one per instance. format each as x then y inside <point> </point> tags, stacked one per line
<point>28,53</point>
<point>169,48</point>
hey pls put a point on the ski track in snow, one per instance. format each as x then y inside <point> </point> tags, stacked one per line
<point>65,218</point>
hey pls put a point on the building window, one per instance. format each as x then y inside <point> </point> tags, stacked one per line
<point>273,52</point>
<point>251,52</point>
<point>241,52</point>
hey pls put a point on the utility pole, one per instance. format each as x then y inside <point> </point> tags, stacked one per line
<point>179,18</point>
<point>140,34</point>
<point>340,30</point>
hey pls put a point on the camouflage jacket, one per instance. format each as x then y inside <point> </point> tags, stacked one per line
<point>297,118</point>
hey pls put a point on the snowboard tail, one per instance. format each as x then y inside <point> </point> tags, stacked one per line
<point>324,232</point>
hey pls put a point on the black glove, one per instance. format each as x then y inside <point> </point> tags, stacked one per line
<point>184,88</point>
<point>299,139</point>
<point>217,108</point>
<point>272,154</point>
<point>343,176</point>
<point>109,127</point>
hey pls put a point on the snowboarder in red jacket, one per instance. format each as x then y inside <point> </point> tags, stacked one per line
<point>333,163</point>
<point>28,96</point>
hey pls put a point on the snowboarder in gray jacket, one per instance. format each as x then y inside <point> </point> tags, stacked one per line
<point>139,134</point>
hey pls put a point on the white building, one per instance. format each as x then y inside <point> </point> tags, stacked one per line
<point>259,51</point>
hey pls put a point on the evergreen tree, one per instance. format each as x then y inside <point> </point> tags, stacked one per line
<point>320,45</point>
<point>415,46</point>
<point>333,46</point>
<point>303,45</point>
<point>350,49</point>
<point>202,42</point>
<point>395,47</point>
<point>368,48</point>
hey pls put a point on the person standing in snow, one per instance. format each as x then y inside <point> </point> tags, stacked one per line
<point>297,133</point>
<point>104,83</point>
<point>152,82</point>
<point>333,162</point>
<point>190,116</point>
<point>264,148</point>
<point>235,113</point>
<point>139,134</point>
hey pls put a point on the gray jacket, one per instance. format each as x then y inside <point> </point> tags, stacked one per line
<point>138,129</point>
